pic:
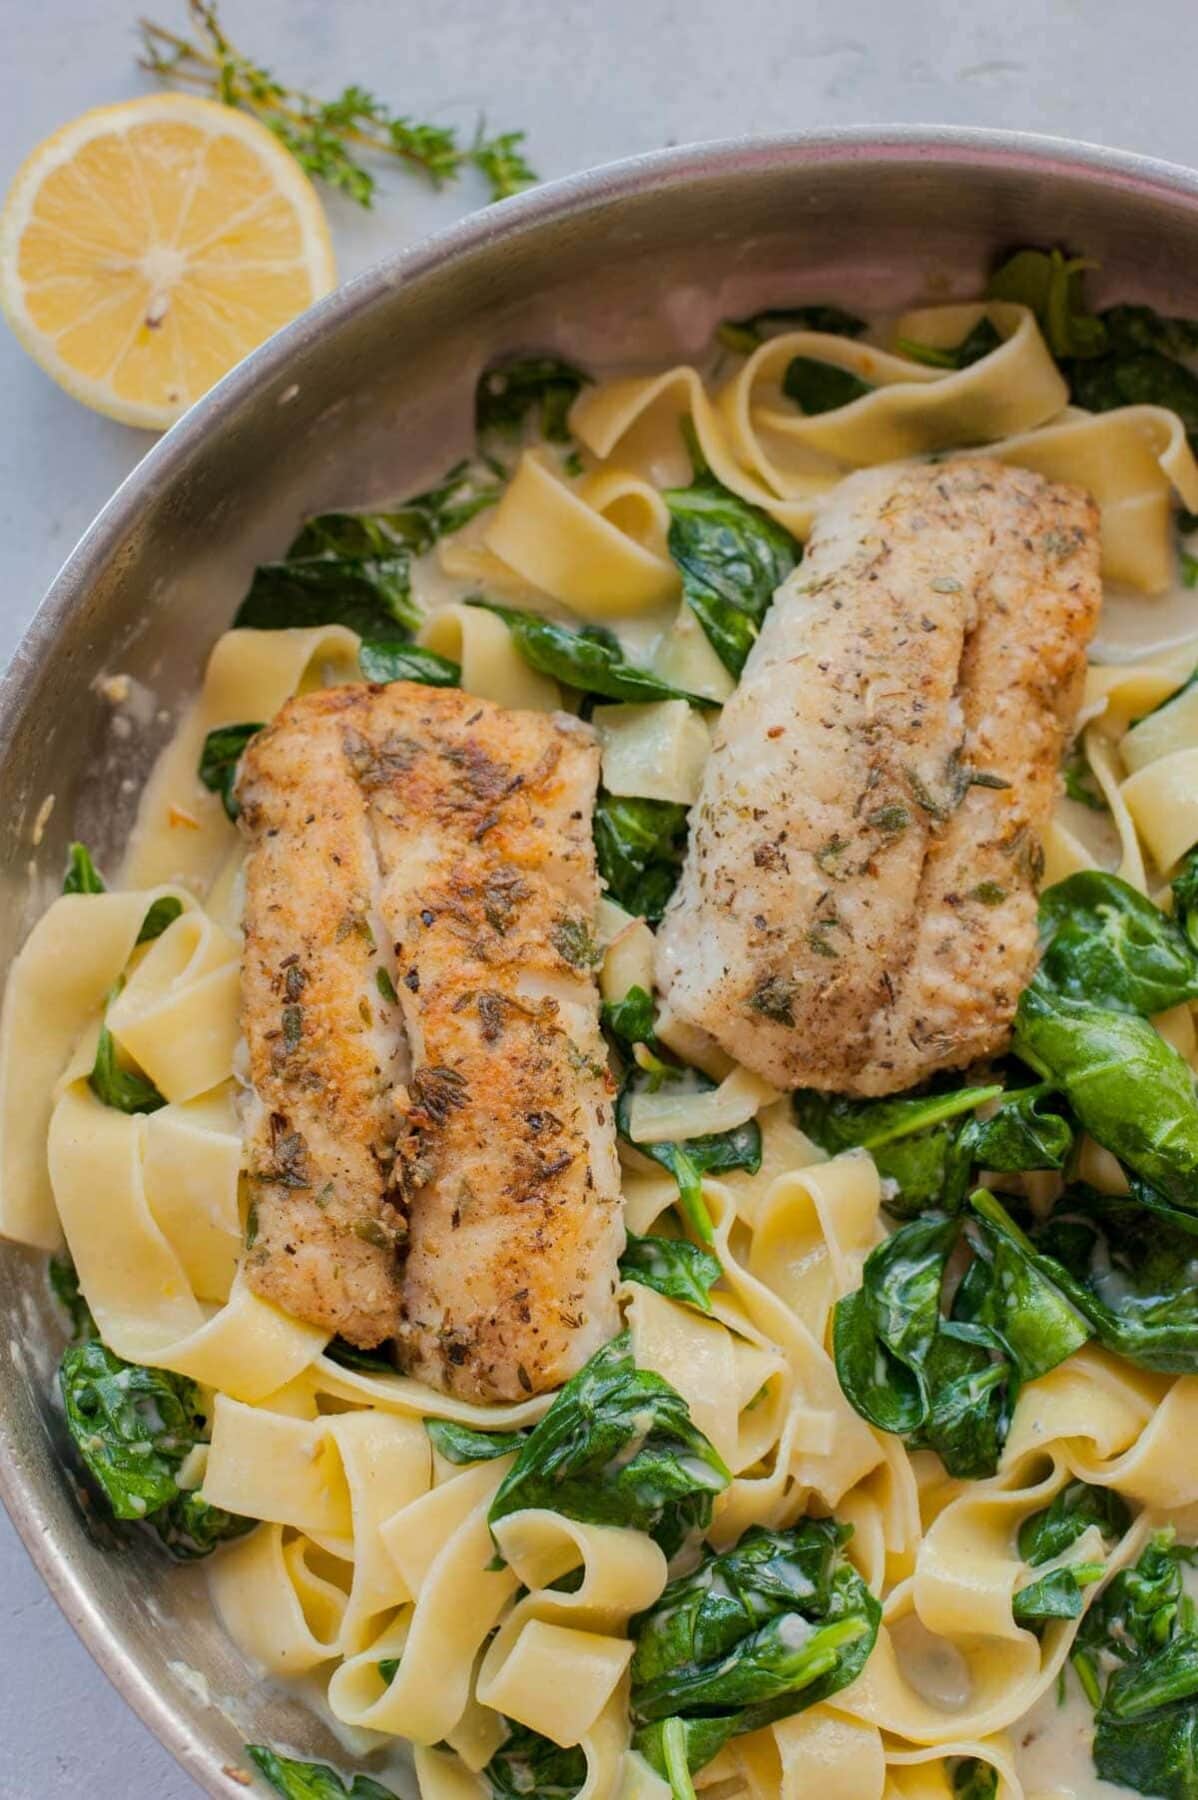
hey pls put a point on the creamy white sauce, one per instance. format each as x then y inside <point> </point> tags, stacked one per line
<point>932,1665</point>
<point>1052,1749</point>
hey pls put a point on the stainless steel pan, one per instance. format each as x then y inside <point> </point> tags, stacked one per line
<point>366,394</point>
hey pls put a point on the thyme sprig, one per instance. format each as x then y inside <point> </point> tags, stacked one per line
<point>325,136</point>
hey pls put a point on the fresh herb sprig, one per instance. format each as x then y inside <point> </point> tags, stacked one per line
<point>326,137</point>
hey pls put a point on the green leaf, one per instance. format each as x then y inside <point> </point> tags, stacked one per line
<point>744,335</point>
<point>692,1158</point>
<point>64,1285</point>
<point>821,387</point>
<point>1058,1595</point>
<point>125,1089</point>
<point>1051,285</point>
<point>977,343</point>
<point>883,1334</point>
<point>1026,1132</point>
<point>1129,1271</point>
<point>527,1764</point>
<point>1128,1088</point>
<point>133,1428</point>
<point>639,846</point>
<point>372,598</point>
<point>618,1447</point>
<point>1049,1533</point>
<point>732,558</point>
<point>1137,378</point>
<point>1142,328</point>
<point>1081,783</point>
<point>1189,569</point>
<point>1156,1755</point>
<point>1107,944</point>
<point>974,1779</point>
<point>386,660</point>
<point>1028,1314</point>
<point>82,876</point>
<point>1184,887</point>
<point>349,1356</point>
<point>460,1444</point>
<point>673,1267</point>
<point>220,759</point>
<point>630,1020</point>
<point>590,660</point>
<point>311,1780</point>
<point>159,915</point>
<point>913,1139</point>
<point>757,1633</point>
<point>527,390</point>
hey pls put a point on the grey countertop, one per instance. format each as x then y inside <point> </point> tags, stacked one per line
<point>588,83</point>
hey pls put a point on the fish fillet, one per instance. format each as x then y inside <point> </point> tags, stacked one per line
<point>494,1169</point>
<point>857,907</point>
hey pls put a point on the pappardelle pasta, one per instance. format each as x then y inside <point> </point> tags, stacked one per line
<point>876,1477</point>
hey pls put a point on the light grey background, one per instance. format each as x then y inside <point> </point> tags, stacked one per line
<point>589,80</point>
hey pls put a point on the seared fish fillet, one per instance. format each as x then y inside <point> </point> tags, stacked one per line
<point>494,1149</point>
<point>322,1067</point>
<point>857,907</point>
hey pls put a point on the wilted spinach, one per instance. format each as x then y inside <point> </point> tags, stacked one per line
<point>639,846</point>
<point>1081,783</point>
<point>630,1019</point>
<point>311,1780</point>
<point>928,1145</point>
<point>1050,283</point>
<point>523,389</point>
<point>133,1428</point>
<point>220,759</point>
<point>125,1089</point>
<point>373,598</point>
<point>1106,943</point>
<point>64,1285</point>
<point>82,876</point>
<point>618,1447</point>
<point>1185,897</point>
<point>1129,1270</point>
<point>977,343</point>
<point>821,387</point>
<point>386,660</point>
<point>974,1779</point>
<point>744,335</point>
<point>527,1764</point>
<point>673,1267</point>
<point>1136,1656</point>
<point>459,1444</point>
<point>1128,1088</point>
<point>1128,377</point>
<point>759,1632</point>
<point>589,659</point>
<point>1048,1534</point>
<point>690,1159</point>
<point>732,558</point>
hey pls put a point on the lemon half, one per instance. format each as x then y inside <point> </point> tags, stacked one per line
<point>147,247</point>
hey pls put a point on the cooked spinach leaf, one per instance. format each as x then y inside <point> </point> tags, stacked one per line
<point>821,387</point>
<point>974,1779</point>
<point>372,1362</point>
<point>161,913</point>
<point>1047,1535</point>
<point>1185,897</point>
<point>133,1428</point>
<point>630,1020</point>
<point>589,659</point>
<point>1188,566</point>
<point>1143,328</point>
<point>732,558</point>
<point>759,1632</point>
<point>1129,1271</point>
<point>744,335</point>
<point>639,846</point>
<point>64,1285</point>
<point>126,1089</point>
<point>372,598</point>
<point>673,1267</point>
<point>1050,283</point>
<point>1136,1656</point>
<point>912,1139</point>
<point>1128,1088</point>
<point>220,759</point>
<point>618,1447</point>
<point>523,389</point>
<point>387,659</point>
<point>943,1378</point>
<point>977,343</point>
<point>692,1158</point>
<point>527,1764</point>
<point>1081,783</point>
<point>459,1444</point>
<point>1106,943</point>
<point>82,876</point>
<point>1137,378</point>
<point>311,1780</point>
